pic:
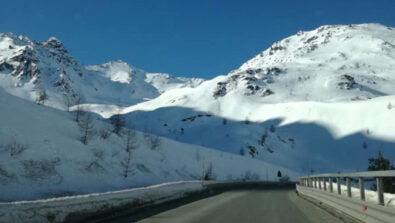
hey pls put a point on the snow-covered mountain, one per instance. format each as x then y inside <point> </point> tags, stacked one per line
<point>164,82</point>
<point>331,63</point>
<point>322,100</point>
<point>309,100</point>
<point>46,72</point>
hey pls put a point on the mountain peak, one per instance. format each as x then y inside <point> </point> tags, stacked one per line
<point>54,43</point>
<point>327,39</point>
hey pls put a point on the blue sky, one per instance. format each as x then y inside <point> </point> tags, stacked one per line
<point>194,38</point>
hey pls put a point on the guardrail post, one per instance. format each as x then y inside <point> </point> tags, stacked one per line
<point>362,188</point>
<point>348,181</point>
<point>380,190</point>
<point>319,183</point>
<point>339,190</point>
<point>324,182</point>
<point>330,184</point>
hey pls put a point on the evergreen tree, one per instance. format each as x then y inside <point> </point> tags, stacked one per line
<point>381,163</point>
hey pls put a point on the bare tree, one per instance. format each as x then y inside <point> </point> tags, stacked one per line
<point>208,173</point>
<point>42,97</point>
<point>154,141</point>
<point>247,120</point>
<point>252,151</point>
<point>131,140</point>
<point>117,123</point>
<point>16,148</point>
<point>95,165</point>
<point>78,111</point>
<point>86,127</point>
<point>131,144</point>
<point>104,133</point>
<point>67,102</point>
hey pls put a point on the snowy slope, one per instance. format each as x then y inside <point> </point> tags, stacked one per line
<point>297,135</point>
<point>331,63</point>
<point>41,156</point>
<point>165,82</point>
<point>292,103</point>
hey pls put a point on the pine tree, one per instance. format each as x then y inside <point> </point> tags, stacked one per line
<point>381,163</point>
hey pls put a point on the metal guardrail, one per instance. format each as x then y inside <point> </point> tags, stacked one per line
<point>320,189</point>
<point>320,181</point>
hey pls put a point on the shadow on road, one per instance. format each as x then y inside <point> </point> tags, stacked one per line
<point>130,214</point>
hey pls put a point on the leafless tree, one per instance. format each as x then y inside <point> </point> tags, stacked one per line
<point>252,151</point>
<point>154,141</point>
<point>86,127</point>
<point>131,144</point>
<point>78,110</point>
<point>15,148</point>
<point>95,165</point>
<point>42,97</point>
<point>67,102</point>
<point>208,173</point>
<point>117,123</point>
<point>104,133</point>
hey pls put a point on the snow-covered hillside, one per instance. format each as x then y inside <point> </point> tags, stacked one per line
<point>322,101</point>
<point>165,82</point>
<point>331,63</point>
<point>291,105</point>
<point>41,155</point>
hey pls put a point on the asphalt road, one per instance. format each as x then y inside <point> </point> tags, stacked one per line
<point>244,206</point>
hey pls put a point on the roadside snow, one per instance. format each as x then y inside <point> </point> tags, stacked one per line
<point>57,209</point>
<point>41,156</point>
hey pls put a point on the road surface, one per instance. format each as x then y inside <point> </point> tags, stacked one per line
<point>244,206</point>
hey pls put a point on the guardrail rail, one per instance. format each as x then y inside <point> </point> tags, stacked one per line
<point>321,187</point>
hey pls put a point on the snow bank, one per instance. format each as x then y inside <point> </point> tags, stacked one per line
<point>58,209</point>
<point>370,196</point>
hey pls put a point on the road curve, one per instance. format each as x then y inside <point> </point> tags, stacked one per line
<point>244,206</point>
